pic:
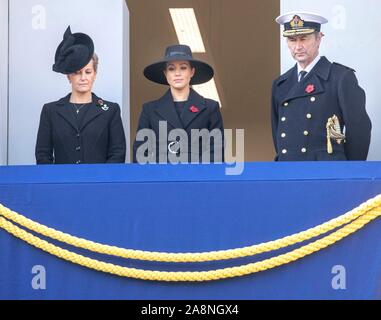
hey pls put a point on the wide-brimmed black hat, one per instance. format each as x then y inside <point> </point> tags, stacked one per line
<point>73,53</point>
<point>155,72</point>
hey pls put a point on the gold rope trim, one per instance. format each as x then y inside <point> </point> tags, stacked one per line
<point>197,256</point>
<point>297,32</point>
<point>358,219</point>
<point>191,276</point>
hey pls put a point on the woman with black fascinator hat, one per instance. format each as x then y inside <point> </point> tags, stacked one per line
<point>81,127</point>
<point>192,125</point>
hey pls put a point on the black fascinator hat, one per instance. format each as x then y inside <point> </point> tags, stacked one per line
<point>73,53</point>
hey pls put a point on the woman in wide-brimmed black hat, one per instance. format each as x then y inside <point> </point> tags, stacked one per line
<point>81,127</point>
<point>181,126</point>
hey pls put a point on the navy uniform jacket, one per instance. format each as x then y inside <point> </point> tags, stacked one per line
<point>299,117</point>
<point>206,115</point>
<point>100,139</point>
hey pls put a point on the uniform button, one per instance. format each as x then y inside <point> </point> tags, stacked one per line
<point>78,148</point>
<point>284,151</point>
<point>309,115</point>
<point>304,150</point>
<point>78,135</point>
<point>285,104</point>
<point>283,135</point>
<point>313,99</point>
<point>306,133</point>
<point>283,119</point>
<point>78,162</point>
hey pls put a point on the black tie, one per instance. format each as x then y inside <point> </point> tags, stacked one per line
<point>302,75</point>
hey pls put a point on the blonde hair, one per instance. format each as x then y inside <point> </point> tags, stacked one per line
<point>95,59</point>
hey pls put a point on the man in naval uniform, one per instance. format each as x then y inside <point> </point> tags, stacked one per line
<point>318,108</point>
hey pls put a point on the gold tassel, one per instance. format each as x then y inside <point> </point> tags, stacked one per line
<point>334,132</point>
<point>329,144</point>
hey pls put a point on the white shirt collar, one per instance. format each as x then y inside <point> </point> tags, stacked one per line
<point>310,66</point>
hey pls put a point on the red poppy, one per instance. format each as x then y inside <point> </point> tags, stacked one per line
<point>310,88</point>
<point>194,109</point>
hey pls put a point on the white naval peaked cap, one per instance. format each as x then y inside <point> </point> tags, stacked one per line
<point>300,23</point>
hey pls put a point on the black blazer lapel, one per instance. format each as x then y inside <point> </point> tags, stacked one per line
<point>66,112</point>
<point>166,109</point>
<point>287,83</point>
<point>198,103</point>
<point>94,111</point>
<point>319,72</point>
<point>323,68</point>
<point>300,90</point>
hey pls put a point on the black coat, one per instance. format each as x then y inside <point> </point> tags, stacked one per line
<point>299,118</point>
<point>199,113</point>
<point>100,138</point>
